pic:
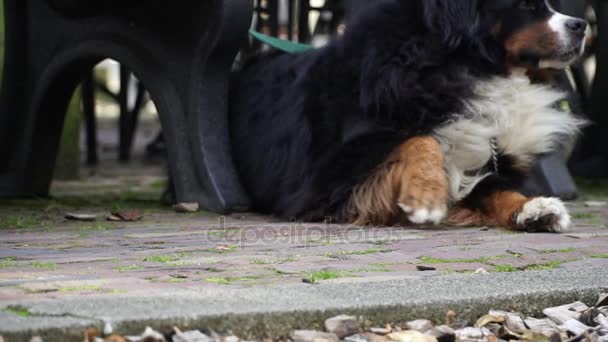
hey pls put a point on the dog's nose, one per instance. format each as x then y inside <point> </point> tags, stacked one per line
<point>577,26</point>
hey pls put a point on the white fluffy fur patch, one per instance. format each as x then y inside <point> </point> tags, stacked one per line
<point>542,206</point>
<point>520,115</point>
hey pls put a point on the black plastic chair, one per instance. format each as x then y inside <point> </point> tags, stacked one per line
<point>182,51</point>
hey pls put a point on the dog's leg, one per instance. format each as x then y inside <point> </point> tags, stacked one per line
<point>412,181</point>
<point>515,211</point>
<point>423,193</point>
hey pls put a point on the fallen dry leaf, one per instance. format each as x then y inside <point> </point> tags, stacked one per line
<point>80,217</point>
<point>450,317</point>
<point>487,319</point>
<point>127,215</point>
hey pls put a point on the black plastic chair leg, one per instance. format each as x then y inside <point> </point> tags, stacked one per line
<point>88,110</point>
<point>50,50</point>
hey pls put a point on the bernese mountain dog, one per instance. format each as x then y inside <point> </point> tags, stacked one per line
<point>423,112</point>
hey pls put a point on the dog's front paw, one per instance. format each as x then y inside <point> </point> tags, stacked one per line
<point>544,215</point>
<point>422,215</point>
<point>424,197</point>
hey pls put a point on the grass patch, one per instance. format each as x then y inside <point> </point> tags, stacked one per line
<point>484,260</point>
<point>85,231</point>
<point>224,232</point>
<point>44,266</point>
<point>259,261</point>
<point>8,262</point>
<point>317,276</point>
<point>81,288</point>
<point>600,256</point>
<point>19,311</point>
<point>563,250</point>
<point>544,267</point>
<point>364,252</point>
<point>20,222</point>
<point>128,268</point>
<point>160,184</point>
<point>505,269</point>
<point>380,242</point>
<point>287,259</point>
<point>163,259</point>
<point>230,280</point>
<point>584,216</point>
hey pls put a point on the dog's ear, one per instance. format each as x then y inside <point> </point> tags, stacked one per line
<point>453,20</point>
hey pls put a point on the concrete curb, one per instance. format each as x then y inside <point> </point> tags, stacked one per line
<point>272,311</point>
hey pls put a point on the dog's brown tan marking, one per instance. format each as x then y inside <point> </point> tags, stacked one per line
<point>515,211</point>
<point>535,40</point>
<point>411,180</point>
<point>499,209</point>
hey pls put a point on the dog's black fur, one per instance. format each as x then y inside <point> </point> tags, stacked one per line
<point>308,128</point>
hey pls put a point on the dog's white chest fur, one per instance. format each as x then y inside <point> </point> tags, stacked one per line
<point>519,115</point>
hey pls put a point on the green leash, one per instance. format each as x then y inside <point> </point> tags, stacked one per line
<point>280,44</point>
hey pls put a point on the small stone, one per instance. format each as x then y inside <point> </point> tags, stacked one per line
<point>80,217</point>
<point>469,333</point>
<point>543,326</point>
<point>114,338</point>
<point>481,271</point>
<point>575,327</point>
<point>602,321</point>
<point>358,338</point>
<point>372,337</point>
<point>343,325</point>
<point>186,207</point>
<point>411,336</point>
<point>515,323</point>
<point>313,336</point>
<point>420,325</point>
<point>564,313</point>
<point>499,313</point>
<point>190,336</point>
<point>382,331</point>
<point>230,339</point>
<point>423,268</point>
<point>107,329</point>
<point>151,335</point>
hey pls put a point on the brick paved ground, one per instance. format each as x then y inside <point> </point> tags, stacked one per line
<point>43,255</point>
